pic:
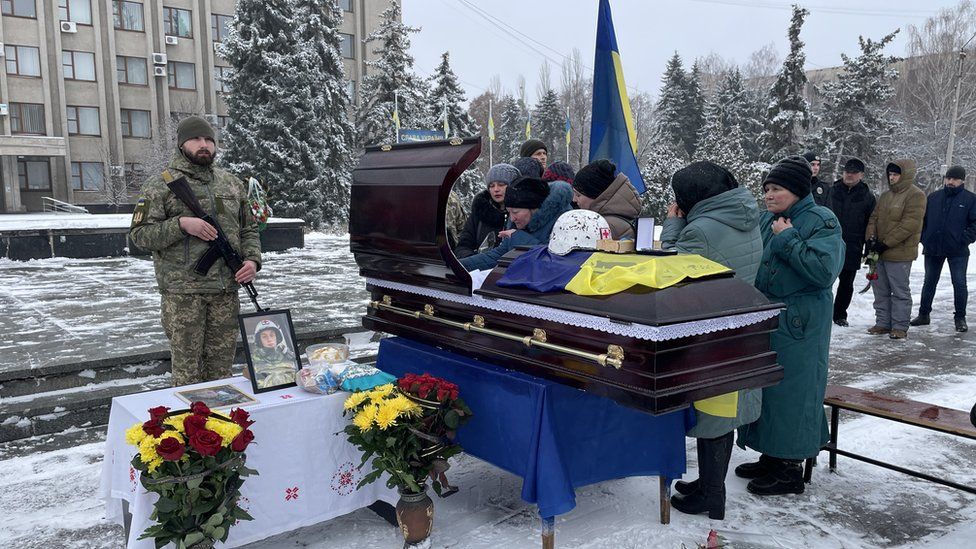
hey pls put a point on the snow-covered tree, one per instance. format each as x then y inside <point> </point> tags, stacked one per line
<point>576,95</point>
<point>671,103</point>
<point>510,134</point>
<point>720,141</point>
<point>391,74</point>
<point>445,90</point>
<point>288,105</point>
<point>664,159</point>
<point>693,111</point>
<point>744,108</point>
<point>788,111</point>
<point>549,123</point>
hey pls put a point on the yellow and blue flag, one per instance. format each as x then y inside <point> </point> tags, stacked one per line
<point>491,127</point>
<point>569,128</point>
<point>528,126</point>
<point>598,273</point>
<point>612,133</point>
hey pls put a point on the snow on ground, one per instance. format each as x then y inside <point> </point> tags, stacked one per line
<point>59,221</point>
<point>49,499</point>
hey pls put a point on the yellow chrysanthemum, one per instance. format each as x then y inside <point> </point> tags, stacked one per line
<point>135,434</point>
<point>354,400</point>
<point>154,464</point>
<point>387,416</point>
<point>227,430</point>
<point>176,421</point>
<point>406,406</point>
<point>147,449</point>
<point>381,392</point>
<point>362,421</point>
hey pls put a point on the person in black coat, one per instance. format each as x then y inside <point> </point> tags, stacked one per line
<point>852,202</point>
<point>819,189</point>
<point>480,232</point>
<point>947,231</point>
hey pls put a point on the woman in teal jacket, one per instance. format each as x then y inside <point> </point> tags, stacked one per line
<point>717,219</point>
<point>803,254</point>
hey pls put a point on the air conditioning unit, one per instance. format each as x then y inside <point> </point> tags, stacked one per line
<point>159,59</point>
<point>3,109</point>
<point>1,49</point>
<point>69,26</point>
<point>172,40</point>
<point>159,71</point>
<point>116,171</point>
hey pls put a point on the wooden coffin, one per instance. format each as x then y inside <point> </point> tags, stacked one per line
<point>653,350</point>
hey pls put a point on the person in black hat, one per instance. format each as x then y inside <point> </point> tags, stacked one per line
<point>947,231</point>
<point>852,202</point>
<point>819,189</point>
<point>599,188</point>
<point>535,148</point>
<point>488,213</point>
<point>533,207</point>
<point>802,254</point>
<point>528,166</point>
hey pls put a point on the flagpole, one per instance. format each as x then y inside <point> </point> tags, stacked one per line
<point>396,115</point>
<point>490,140</point>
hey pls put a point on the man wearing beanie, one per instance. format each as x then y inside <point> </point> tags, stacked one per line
<point>819,189</point>
<point>199,313</point>
<point>802,254</point>
<point>559,171</point>
<point>533,207</point>
<point>488,215</point>
<point>852,202</point>
<point>535,148</point>
<point>599,188</point>
<point>893,232</point>
<point>528,166</point>
<point>947,231</point>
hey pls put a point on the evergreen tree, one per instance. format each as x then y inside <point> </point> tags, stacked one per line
<point>511,133</point>
<point>856,113</point>
<point>446,91</point>
<point>788,110</point>
<point>720,142</point>
<point>744,108</point>
<point>288,105</point>
<point>391,74</point>
<point>664,158</point>
<point>693,111</point>
<point>671,104</point>
<point>549,124</point>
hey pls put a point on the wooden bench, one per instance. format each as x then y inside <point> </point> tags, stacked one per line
<point>919,414</point>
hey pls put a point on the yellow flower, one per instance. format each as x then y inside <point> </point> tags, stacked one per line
<point>227,430</point>
<point>354,400</point>
<point>381,392</point>
<point>386,416</point>
<point>135,434</point>
<point>176,421</point>
<point>406,406</point>
<point>364,419</point>
<point>154,464</point>
<point>147,449</point>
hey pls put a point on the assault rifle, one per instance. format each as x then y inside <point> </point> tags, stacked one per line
<point>219,247</point>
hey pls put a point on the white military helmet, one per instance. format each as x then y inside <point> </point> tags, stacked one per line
<point>578,230</point>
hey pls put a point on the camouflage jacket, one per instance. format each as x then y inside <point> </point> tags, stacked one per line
<point>156,228</point>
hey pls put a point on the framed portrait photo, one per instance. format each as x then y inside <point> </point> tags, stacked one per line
<point>217,396</point>
<point>269,345</point>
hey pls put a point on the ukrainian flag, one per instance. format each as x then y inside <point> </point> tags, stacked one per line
<point>569,128</point>
<point>491,128</point>
<point>528,126</point>
<point>612,133</point>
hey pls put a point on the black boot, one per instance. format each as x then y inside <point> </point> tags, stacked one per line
<point>961,325</point>
<point>756,469</point>
<point>686,488</point>
<point>920,320</point>
<point>786,479</point>
<point>713,464</point>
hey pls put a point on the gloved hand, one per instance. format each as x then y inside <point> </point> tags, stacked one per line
<point>880,247</point>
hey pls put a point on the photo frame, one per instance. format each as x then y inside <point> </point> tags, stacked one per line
<point>269,345</point>
<point>216,396</point>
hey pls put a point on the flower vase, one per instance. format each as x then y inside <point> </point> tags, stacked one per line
<point>415,515</point>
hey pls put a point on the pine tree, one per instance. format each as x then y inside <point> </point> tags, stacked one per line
<point>856,114</point>
<point>692,111</point>
<point>391,74</point>
<point>671,104</point>
<point>664,158</point>
<point>721,142</point>
<point>511,133</point>
<point>741,107</point>
<point>788,110</point>
<point>288,105</point>
<point>446,91</point>
<point>549,124</point>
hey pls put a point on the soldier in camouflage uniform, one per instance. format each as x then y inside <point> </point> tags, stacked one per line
<point>199,313</point>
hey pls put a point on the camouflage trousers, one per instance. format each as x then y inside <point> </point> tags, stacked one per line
<point>202,332</point>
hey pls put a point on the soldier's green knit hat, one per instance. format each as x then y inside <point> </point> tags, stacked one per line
<point>193,126</point>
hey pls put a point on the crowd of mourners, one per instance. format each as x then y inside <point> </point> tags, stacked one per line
<point>811,235</point>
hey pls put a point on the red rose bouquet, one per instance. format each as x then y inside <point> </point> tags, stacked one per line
<point>194,459</point>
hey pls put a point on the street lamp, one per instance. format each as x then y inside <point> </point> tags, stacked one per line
<point>955,106</point>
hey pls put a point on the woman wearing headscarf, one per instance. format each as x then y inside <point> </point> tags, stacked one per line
<point>803,253</point>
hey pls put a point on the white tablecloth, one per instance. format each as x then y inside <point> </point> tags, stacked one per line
<point>307,473</point>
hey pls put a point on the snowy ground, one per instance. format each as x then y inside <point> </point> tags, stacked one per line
<point>49,497</point>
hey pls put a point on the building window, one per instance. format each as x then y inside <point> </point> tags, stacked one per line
<point>27,118</point>
<point>19,8</point>
<point>23,60</point>
<point>78,11</point>
<point>136,123</point>
<point>176,22</point>
<point>128,15</point>
<point>221,74</point>
<point>345,46</point>
<point>87,176</point>
<point>182,76</point>
<point>83,121</point>
<point>222,122</point>
<point>220,26</point>
<point>78,65</point>
<point>346,5</point>
<point>131,70</point>
<point>34,173</point>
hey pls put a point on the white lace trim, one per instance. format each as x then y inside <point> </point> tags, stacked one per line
<point>593,322</point>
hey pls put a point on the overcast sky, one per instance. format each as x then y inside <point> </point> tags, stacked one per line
<point>648,33</point>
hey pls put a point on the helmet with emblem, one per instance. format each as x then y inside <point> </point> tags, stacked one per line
<point>267,324</point>
<point>578,230</point>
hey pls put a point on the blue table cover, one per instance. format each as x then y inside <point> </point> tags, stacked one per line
<point>555,437</point>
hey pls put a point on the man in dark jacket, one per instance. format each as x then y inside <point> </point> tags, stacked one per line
<point>852,202</point>
<point>480,232</point>
<point>819,189</point>
<point>947,231</point>
<point>535,148</point>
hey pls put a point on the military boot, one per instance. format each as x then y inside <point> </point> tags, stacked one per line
<point>758,468</point>
<point>961,325</point>
<point>787,479</point>
<point>713,465</point>
<point>921,320</point>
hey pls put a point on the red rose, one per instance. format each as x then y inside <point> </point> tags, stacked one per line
<point>241,417</point>
<point>454,394</point>
<point>152,428</point>
<point>241,441</point>
<point>200,409</point>
<point>192,424</point>
<point>442,394</point>
<point>170,449</point>
<point>206,442</point>
<point>158,413</point>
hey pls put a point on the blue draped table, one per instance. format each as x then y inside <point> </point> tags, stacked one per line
<point>555,437</point>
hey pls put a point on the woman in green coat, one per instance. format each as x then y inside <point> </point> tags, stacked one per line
<point>717,219</point>
<point>802,256</point>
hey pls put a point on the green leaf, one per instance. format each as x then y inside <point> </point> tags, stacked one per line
<point>390,441</point>
<point>193,537</point>
<point>451,419</point>
<point>194,483</point>
<point>215,519</point>
<point>166,505</point>
<point>220,533</point>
